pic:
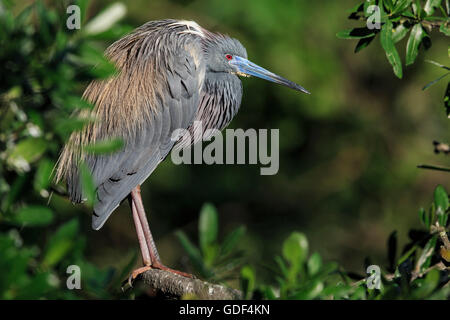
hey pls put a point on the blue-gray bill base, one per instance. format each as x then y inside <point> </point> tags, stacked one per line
<point>170,74</point>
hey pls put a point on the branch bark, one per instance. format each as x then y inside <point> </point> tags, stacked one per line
<point>174,286</point>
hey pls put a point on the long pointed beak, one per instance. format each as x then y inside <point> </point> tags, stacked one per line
<point>249,68</point>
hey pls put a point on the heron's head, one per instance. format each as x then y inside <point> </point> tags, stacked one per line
<point>226,54</point>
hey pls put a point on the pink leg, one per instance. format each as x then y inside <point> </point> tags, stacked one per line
<point>141,237</point>
<point>137,201</point>
<point>149,252</point>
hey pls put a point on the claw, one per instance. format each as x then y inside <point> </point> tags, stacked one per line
<point>136,273</point>
<point>180,273</point>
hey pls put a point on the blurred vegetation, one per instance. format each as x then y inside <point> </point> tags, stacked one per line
<point>348,156</point>
<point>45,66</point>
<point>419,271</point>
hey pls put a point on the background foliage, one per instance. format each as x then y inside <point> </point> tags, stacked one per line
<point>348,155</point>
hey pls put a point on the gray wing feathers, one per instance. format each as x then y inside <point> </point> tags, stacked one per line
<point>116,175</point>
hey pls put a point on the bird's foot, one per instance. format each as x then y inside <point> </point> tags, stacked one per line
<point>136,273</point>
<point>160,266</point>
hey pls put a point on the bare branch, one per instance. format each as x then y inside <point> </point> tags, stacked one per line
<point>175,286</point>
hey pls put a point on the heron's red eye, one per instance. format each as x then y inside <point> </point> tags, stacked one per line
<point>229,56</point>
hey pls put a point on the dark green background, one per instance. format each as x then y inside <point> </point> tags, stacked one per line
<point>348,151</point>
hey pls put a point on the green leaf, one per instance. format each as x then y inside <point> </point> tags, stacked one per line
<point>311,291</point>
<point>26,152</point>
<point>363,43</point>
<point>247,281</point>
<point>438,64</point>
<point>409,14</point>
<point>425,257</point>
<point>101,66</point>
<point>60,243</point>
<point>367,4</point>
<point>427,285</point>
<point>72,102</point>
<point>359,294</point>
<point>357,8</point>
<point>399,33</point>
<point>392,250</point>
<point>87,184</point>
<point>314,264</point>
<point>389,5</point>
<point>83,4</point>
<point>425,217</point>
<point>112,34</point>
<point>193,253</point>
<point>232,239</point>
<point>295,250</point>
<point>269,293</point>
<point>24,16</point>
<point>432,167</point>
<point>105,146</point>
<point>356,33</point>
<point>431,5</point>
<point>429,84</point>
<point>64,127</point>
<point>43,175</point>
<point>389,47</point>
<point>337,292</point>
<point>401,6</point>
<point>412,47</point>
<point>406,255</point>
<point>106,19</point>
<point>445,27</point>
<point>281,265</point>
<point>447,100</point>
<point>34,216</point>
<point>207,226</point>
<point>442,203</point>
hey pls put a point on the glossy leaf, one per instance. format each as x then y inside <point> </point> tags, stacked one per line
<point>295,250</point>
<point>401,6</point>
<point>314,264</point>
<point>431,5</point>
<point>389,47</point>
<point>60,243</point>
<point>232,239</point>
<point>399,33</point>
<point>412,47</point>
<point>441,203</point>
<point>105,146</point>
<point>425,217</point>
<point>445,27</point>
<point>429,84</point>
<point>87,184</point>
<point>425,257</point>
<point>34,216</point>
<point>356,33</point>
<point>247,281</point>
<point>363,43</point>
<point>43,175</point>
<point>193,253</point>
<point>207,226</point>
<point>26,152</point>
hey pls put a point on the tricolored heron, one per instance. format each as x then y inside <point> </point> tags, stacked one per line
<point>171,73</point>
